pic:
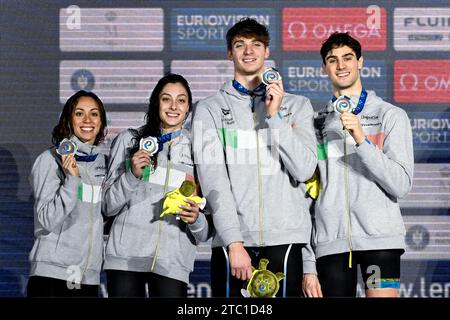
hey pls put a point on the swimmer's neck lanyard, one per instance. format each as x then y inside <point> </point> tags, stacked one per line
<point>166,138</point>
<point>88,158</point>
<point>258,91</point>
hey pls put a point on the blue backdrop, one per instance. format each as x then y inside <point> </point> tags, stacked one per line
<point>119,49</point>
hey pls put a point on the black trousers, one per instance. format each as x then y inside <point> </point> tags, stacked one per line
<point>132,284</point>
<point>283,258</point>
<point>49,287</point>
<point>338,280</point>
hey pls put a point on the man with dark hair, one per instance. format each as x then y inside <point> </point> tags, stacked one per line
<point>254,147</point>
<point>338,40</point>
<point>366,164</point>
<point>248,28</point>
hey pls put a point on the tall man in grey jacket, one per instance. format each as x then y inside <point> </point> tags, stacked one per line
<point>254,147</point>
<point>366,164</point>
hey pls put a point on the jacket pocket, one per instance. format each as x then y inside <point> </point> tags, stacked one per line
<point>329,225</point>
<point>184,256</point>
<point>134,234</point>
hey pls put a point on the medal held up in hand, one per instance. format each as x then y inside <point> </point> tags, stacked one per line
<point>270,74</point>
<point>343,104</point>
<point>66,147</point>
<point>149,144</point>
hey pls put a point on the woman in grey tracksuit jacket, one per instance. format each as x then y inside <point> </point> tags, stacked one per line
<point>67,254</point>
<point>142,246</point>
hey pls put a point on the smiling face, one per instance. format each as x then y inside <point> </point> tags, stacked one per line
<point>86,120</point>
<point>248,56</point>
<point>173,106</point>
<point>342,67</point>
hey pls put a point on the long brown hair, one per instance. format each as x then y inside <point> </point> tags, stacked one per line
<point>64,127</point>
<point>152,120</point>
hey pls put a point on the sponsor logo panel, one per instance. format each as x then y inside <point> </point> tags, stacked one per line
<point>427,237</point>
<point>200,29</point>
<point>422,81</point>
<point>306,77</point>
<point>430,189</point>
<point>124,81</point>
<point>111,29</point>
<point>305,29</point>
<point>416,29</point>
<point>431,135</point>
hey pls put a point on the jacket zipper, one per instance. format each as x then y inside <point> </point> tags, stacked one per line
<point>255,122</point>
<point>90,226</point>
<point>126,213</point>
<point>91,223</point>
<point>347,201</point>
<point>160,226</point>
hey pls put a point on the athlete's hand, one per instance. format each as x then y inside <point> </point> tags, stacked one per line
<point>351,123</point>
<point>189,212</point>
<point>240,262</point>
<point>311,286</point>
<point>70,165</point>
<point>139,161</point>
<point>274,97</point>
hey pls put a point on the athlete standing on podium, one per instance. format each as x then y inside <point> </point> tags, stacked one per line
<point>67,253</point>
<point>365,165</point>
<point>254,146</point>
<point>146,249</point>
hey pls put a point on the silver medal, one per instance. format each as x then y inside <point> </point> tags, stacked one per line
<point>66,147</point>
<point>270,74</point>
<point>343,104</point>
<point>149,144</point>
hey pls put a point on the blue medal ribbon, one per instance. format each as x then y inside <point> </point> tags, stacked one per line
<point>361,102</point>
<point>88,158</point>
<point>167,137</point>
<point>258,91</point>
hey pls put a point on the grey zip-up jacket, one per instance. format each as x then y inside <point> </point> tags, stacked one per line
<point>251,168</point>
<point>139,239</point>
<point>357,207</point>
<point>68,224</point>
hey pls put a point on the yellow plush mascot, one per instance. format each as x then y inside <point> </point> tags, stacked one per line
<point>177,196</point>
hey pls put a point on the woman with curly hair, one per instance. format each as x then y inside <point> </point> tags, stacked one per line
<point>66,179</point>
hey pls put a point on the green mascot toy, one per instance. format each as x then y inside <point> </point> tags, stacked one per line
<point>263,283</point>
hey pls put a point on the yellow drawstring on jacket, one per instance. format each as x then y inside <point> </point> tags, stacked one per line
<point>313,186</point>
<point>350,259</point>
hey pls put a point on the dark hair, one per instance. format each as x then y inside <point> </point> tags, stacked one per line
<point>64,127</point>
<point>152,125</point>
<point>337,40</point>
<point>248,28</point>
